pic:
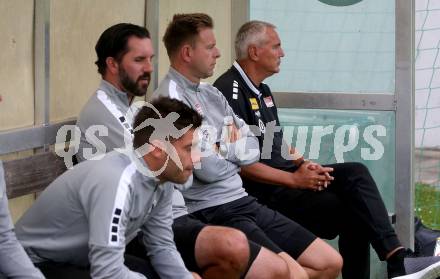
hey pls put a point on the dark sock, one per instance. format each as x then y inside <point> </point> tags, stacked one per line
<point>395,266</point>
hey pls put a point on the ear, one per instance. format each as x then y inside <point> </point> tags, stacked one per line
<point>158,149</point>
<point>112,65</point>
<point>253,52</point>
<point>186,53</point>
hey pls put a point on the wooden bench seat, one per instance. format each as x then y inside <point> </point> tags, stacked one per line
<point>32,174</point>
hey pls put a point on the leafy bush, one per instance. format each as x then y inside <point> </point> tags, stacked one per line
<point>427,205</point>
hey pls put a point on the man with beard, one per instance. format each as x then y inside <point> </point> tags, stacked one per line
<point>125,54</point>
<point>124,60</point>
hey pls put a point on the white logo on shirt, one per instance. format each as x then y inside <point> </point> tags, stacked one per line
<point>261,125</point>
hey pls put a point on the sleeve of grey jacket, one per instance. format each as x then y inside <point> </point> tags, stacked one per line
<point>246,150</point>
<point>14,262</point>
<point>106,252</point>
<point>215,168</point>
<point>158,238</point>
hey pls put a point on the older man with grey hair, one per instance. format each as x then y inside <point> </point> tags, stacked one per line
<point>338,199</point>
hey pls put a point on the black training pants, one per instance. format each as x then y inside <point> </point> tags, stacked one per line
<point>350,207</point>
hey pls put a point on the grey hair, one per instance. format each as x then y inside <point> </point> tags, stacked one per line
<point>252,32</point>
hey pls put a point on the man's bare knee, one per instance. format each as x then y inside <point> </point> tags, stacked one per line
<point>222,246</point>
<point>268,265</point>
<point>335,265</point>
<point>229,243</point>
<point>321,260</point>
<point>296,270</point>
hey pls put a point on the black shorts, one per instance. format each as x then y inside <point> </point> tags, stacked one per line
<point>186,230</point>
<point>260,224</point>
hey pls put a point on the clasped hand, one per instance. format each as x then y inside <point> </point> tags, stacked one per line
<point>313,176</point>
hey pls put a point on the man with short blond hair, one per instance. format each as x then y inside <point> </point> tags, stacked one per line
<point>125,64</point>
<point>217,195</point>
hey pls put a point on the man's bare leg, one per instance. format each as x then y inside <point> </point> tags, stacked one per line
<point>296,270</point>
<point>221,252</point>
<point>272,266</point>
<point>320,260</point>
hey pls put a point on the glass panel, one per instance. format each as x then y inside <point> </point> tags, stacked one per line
<point>335,136</point>
<point>331,48</point>
<point>331,136</point>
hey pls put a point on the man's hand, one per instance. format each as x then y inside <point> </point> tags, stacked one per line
<point>322,170</point>
<point>325,170</point>
<point>232,133</point>
<point>312,176</point>
<point>195,275</point>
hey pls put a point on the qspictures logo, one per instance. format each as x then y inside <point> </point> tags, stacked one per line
<point>340,3</point>
<point>232,141</point>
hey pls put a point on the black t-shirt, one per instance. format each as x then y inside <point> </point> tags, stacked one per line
<point>256,106</point>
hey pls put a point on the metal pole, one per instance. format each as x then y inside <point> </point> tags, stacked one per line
<point>42,64</point>
<point>404,190</point>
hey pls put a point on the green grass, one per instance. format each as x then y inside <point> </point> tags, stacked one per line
<point>427,205</point>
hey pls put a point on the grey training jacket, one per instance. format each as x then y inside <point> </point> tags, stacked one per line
<point>14,263</point>
<point>217,181</point>
<point>89,214</point>
<point>109,107</point>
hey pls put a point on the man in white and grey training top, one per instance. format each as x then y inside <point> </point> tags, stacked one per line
<point>81,223</point>
<point>125,64</point>
<point>217,195</point>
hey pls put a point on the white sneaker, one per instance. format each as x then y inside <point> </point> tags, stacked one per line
<point>421,268</point>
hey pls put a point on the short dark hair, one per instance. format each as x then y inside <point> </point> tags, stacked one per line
<point>183,28</point>
<point>113,42</point>
<point>163,105</point>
